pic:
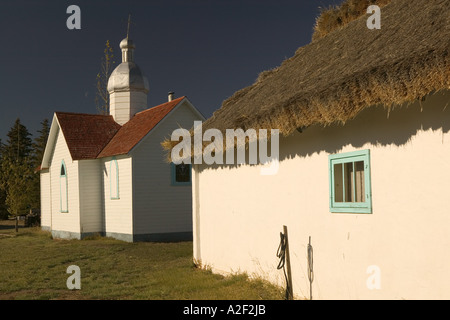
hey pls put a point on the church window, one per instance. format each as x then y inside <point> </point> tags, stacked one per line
<point>64,207</point>
<point>114,179</point>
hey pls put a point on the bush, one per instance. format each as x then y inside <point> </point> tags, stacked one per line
<point>32,220</point>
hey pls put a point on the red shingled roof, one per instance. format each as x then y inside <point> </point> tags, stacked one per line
<point>137,128</point>
<point>86,134</point>
<point>91,136</point>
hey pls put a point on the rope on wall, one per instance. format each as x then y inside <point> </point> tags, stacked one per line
<point>281,254</point>
<point>310,267</point>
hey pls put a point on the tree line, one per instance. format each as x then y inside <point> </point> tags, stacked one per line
<point>20,160</point>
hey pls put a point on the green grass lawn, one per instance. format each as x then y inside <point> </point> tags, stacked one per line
<point>33,266</point>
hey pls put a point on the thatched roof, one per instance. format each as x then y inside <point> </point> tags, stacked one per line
<point>333,78</point>
<point>335,17</point>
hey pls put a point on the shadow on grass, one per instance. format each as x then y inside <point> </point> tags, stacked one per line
<point>10,224</point>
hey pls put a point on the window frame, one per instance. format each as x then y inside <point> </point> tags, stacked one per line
<point>351,207</point>
<point>173,176</point>
<point>63,165</point>
<point>116,164</point>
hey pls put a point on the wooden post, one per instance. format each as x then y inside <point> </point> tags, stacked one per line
<point>288,264</point>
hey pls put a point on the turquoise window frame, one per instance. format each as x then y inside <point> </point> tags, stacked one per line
<point>63,165</point>
<point>173,176</point>
<point>351,207</point>
<point>114,163</point>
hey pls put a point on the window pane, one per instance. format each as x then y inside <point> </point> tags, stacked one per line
<point>113,180</point>
<point>359,181</point>
<point>348,181</point>
<point>338,185</point>
<point>63,195</point>
<point>182,173</point>
<point>63,171</point>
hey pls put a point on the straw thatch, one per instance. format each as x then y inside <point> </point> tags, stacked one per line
<point>333,78</point>
<point>335,17</point>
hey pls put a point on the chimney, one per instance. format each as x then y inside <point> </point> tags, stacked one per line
<point>171,95</point>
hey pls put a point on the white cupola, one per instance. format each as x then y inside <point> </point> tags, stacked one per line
<point>127,86</point>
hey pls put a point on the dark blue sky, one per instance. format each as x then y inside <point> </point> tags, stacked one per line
<point>204,49</point>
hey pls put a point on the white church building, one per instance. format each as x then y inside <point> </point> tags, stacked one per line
<point>108,175</point>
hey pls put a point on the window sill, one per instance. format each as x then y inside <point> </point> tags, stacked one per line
<point>351,210</point>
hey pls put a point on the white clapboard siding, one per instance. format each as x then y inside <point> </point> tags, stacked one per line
<point>126,104</point>
<point>68,221</point>
<point>91,195</point>
<point>158,206</point>
<point>118,212</point>
<point>46,199</point>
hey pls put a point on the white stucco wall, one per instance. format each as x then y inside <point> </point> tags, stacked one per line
<point>239,214</point>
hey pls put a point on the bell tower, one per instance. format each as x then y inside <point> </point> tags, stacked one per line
<point>127,86</point>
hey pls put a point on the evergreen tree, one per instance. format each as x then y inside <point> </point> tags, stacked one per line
<point>38,153</point>
<point>16,180</point>
<point>40,142</point>
<point>3,209</point>
<point>19,144</point>
<point>18,185</point>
